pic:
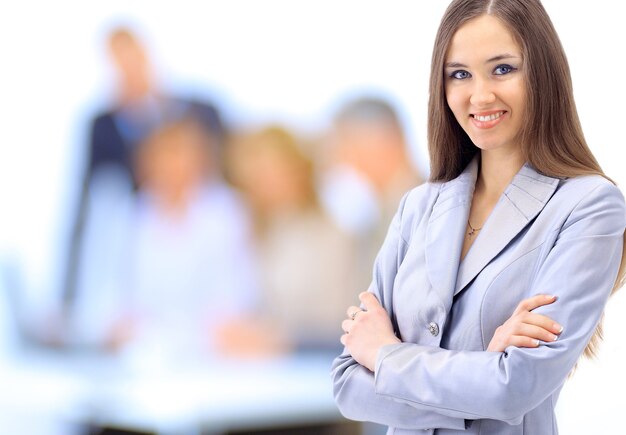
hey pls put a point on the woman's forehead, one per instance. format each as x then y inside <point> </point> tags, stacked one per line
<point>481,40</point>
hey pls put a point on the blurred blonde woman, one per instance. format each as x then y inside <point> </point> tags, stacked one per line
<point>305,259</point>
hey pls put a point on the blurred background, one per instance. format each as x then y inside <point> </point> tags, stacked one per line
<point>193,192</point>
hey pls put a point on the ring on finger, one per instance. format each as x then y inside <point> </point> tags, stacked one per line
<point>353,315</point>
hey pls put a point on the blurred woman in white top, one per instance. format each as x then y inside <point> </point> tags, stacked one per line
<point>183,275</point>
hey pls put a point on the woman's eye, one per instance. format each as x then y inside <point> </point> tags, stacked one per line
<point>460,75</point>
<point>503,69</point>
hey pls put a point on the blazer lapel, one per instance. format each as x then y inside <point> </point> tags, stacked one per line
<point>522,200</point>
<point>445,232</point>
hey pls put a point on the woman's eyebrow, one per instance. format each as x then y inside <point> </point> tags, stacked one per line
<point>496,58</point>
<point>502,57</point>
<point>455,65</point>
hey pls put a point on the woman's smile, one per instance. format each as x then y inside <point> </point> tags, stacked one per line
<point>486,120</point>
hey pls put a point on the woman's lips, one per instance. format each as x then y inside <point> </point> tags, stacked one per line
<point>486,120</point>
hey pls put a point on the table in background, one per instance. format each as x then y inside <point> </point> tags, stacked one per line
<point>215,396</point>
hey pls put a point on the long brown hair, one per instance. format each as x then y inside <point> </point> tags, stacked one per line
<point>552,139</point>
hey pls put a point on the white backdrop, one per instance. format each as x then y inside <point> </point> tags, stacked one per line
<point>271,60</point>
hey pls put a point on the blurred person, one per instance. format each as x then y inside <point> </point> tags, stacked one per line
<point>139,107</point>
<point>184,282</point>
<point>369,171</point>
<point>305,260</point>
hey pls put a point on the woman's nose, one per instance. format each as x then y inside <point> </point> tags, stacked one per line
<point>482,94</point>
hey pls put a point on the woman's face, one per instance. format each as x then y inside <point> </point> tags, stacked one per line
<point>271,178</point>
<point>484,83</point>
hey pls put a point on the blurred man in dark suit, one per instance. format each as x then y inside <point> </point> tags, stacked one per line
<point>139,108</point>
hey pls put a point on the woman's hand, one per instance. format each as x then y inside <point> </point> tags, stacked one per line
<point>524,328</point>
<point>367,330</point>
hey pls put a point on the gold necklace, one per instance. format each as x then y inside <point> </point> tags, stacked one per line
<point>472,229</point>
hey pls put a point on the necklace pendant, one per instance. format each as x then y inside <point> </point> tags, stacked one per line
<point>472,230</point>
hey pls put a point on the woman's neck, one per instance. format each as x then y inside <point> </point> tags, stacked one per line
<point>496,172</point>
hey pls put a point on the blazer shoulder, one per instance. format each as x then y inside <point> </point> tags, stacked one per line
<point>416,205</point>
<point>591,197</point>
<point>591,187</point>
<point>419,199</point>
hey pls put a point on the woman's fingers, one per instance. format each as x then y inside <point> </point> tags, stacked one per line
<point>534,302</point>
<point>352,311</point>
<point>523,341</point>
<point>525,328</point>
<point>535,332</point>
<point>544,322</point>
<point>370,302</point>
<point>345,325</point>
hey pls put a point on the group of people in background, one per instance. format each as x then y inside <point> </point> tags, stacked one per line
<point>191,238</point>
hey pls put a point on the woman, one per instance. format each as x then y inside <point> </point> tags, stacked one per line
<point>494,276</point>
<point>305,260</point>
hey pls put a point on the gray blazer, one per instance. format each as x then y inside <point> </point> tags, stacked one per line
<point>545,235</point>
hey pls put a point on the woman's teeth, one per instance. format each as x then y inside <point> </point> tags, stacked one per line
<point>488,117</point>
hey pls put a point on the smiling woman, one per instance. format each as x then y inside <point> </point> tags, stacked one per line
<point>488,99</point>
<point>485,84</point>
<point>488,288</point>
<point>57,77</point>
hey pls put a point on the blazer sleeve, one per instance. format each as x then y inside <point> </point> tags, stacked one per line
<point>354,386</point>
<point>581,269</point>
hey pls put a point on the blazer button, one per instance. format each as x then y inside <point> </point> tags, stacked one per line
<point>433,328</point>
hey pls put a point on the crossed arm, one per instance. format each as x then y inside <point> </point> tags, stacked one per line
<point>368,330</point>
<point>412,386</point>
<point>371,331</point>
